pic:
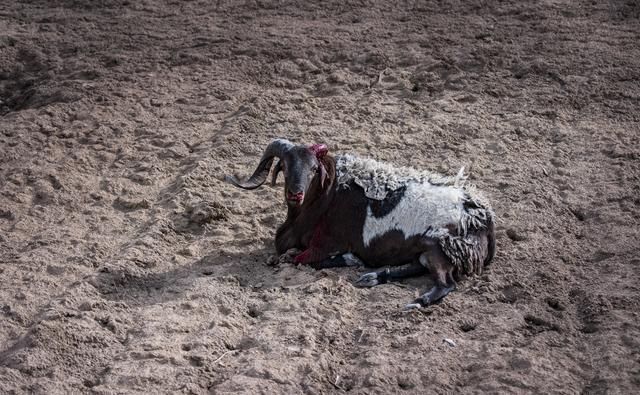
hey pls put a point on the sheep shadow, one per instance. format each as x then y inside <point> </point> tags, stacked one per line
<point>127,284</point>
<point>248,270</point>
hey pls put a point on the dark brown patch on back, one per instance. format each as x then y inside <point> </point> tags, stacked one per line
<point>380,208</point>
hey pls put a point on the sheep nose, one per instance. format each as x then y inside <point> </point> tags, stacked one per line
<point>298,196</point>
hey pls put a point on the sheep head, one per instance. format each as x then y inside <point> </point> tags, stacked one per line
<point>301,164</point>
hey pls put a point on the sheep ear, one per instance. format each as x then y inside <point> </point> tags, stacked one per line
<point>276,171</point>
<point>319,149</point>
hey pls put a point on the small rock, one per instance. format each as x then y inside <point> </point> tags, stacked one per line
<point>196,360</point>
<point>108,322</point>
<point>449,342</point>
<point>272,260</point>
<point>55,182</point>
<point>43,194</point>
<point>140,179</point>
<point>55,270</point>
<point>187,251</point>
<point>578,213</point>
<point>555,304</point>
<point>7,214</point>
<point>203,213</point>
<point>128,205</point>
<point>601,255</point>
<point>411,307</point>
<point>407,382</point>
<point>515,235</point>
<point>468,326</point>
<point>97,196</point>
<point>288,256</point>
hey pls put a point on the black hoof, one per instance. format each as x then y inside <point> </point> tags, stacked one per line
<point>367,280</point>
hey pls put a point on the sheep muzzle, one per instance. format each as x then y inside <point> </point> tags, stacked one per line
<point>295,198</point>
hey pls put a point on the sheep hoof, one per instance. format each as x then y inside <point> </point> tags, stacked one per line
<point>351,260</point>
<point>435,294</point>
<point>367,280</point>
<point>412,306</point>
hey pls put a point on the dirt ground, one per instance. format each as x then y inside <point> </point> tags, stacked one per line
<point>128,265</point>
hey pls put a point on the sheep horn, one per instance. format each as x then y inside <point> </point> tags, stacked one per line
<point>277,148</point>
<point>276,170</point>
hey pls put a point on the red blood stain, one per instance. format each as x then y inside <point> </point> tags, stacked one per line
<point>314,252</point>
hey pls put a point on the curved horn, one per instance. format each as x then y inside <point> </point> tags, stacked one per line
<point>276,170</point>
<point>277,148</point>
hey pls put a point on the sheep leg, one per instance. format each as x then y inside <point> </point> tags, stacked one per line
<point>441,272</point>
<point>343,260</point>
<point>390,274</point>
<point>303,257</point>
<point>315,251</point>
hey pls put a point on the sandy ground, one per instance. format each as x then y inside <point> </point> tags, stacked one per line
<point>128,265</point>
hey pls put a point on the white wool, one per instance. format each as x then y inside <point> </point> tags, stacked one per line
<point>423,207</point>
<point>378,178</point>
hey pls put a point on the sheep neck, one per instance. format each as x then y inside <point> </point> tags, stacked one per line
<point>301,222</point>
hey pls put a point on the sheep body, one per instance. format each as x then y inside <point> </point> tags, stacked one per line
<point>384,215</point>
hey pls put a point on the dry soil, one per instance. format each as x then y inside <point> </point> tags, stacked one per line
<point>128,265</point>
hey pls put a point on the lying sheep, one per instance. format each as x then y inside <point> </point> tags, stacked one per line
<point>345,209</point>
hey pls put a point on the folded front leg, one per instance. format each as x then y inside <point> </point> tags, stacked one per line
<point>343,260</point>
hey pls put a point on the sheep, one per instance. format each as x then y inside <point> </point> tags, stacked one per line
<point>346,210</point>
